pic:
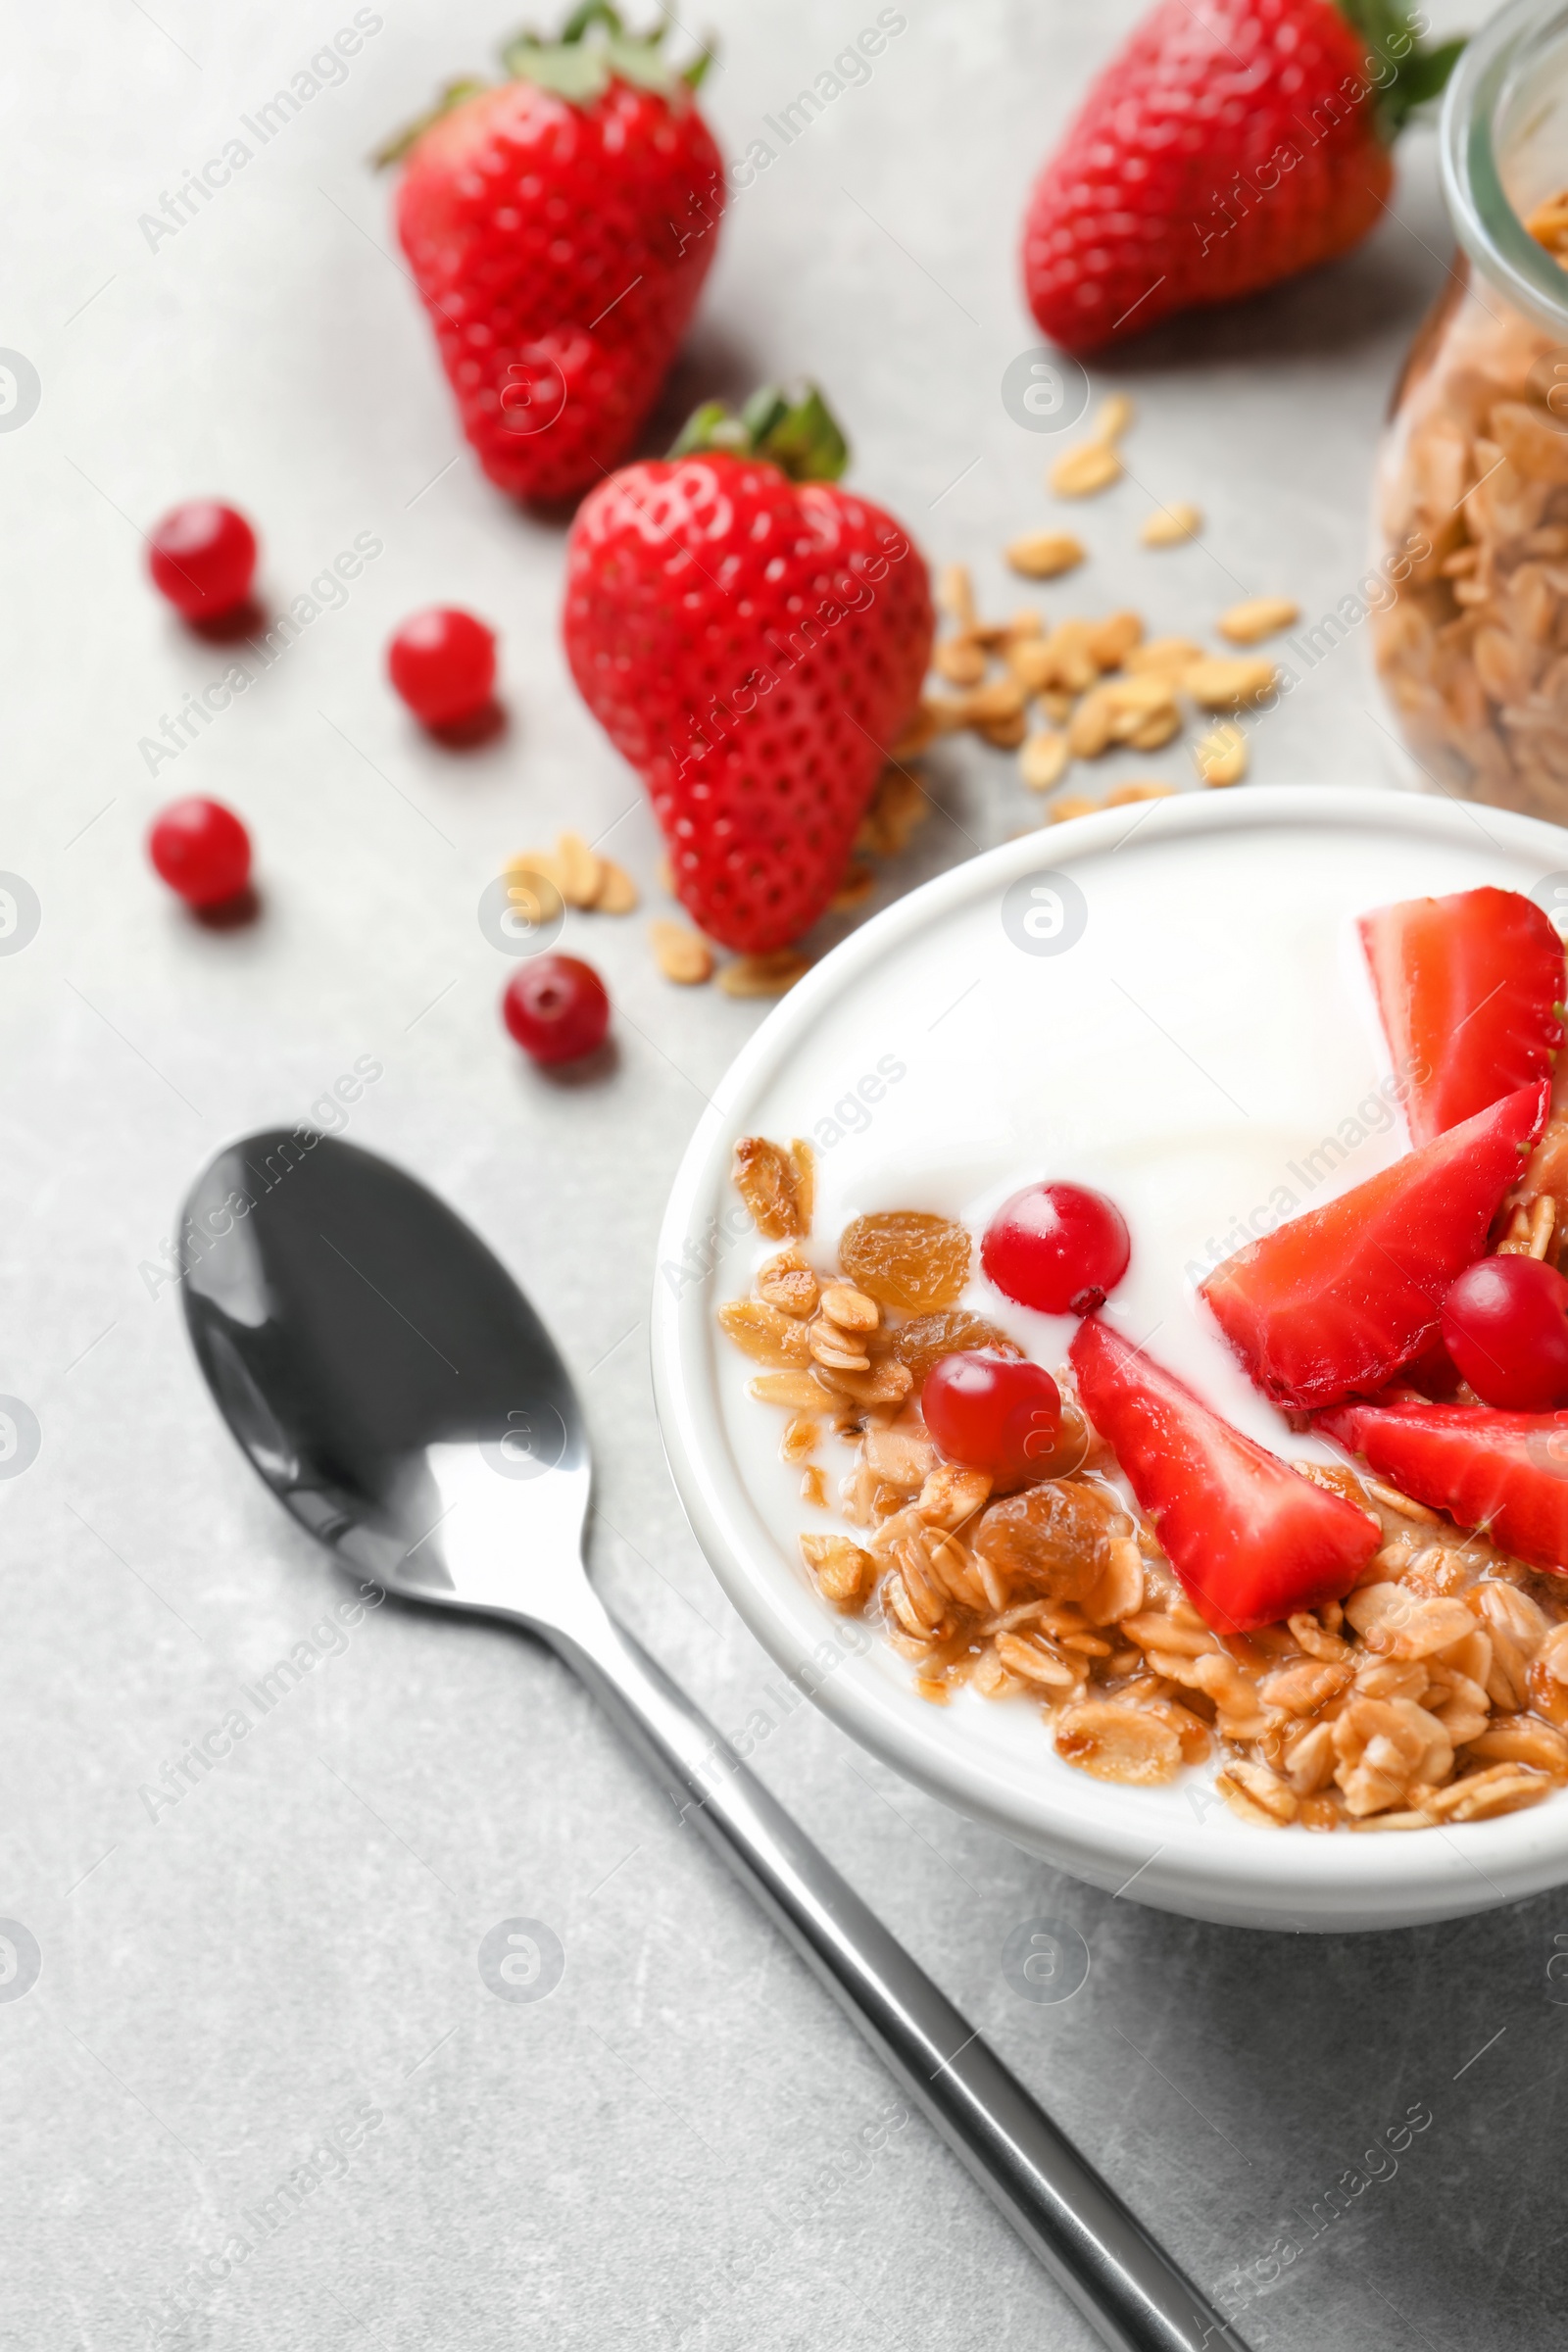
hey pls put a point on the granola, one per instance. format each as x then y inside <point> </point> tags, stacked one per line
<point>1473,516</point>
<point>1435,1693</point>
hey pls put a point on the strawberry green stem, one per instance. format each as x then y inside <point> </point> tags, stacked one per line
<point>793,429</point>
<point>1406,75</point>
<point>404,141</point>
<point>592,50</point>
<point>593,12</point>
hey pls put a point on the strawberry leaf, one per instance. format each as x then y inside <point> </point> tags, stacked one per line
<point>1426,74</point>
<point>711,427</point>
<point>794,429</point>
<point>1407,77</point>
<point>640,62</point>
<point>400,144</point>
<point>576,70</point>
<point>799,433</point>
<point>593,50</point>
<point>592,12</point>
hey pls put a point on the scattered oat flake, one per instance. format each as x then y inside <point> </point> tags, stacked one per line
<point>1171,526</point>
<point>578,870</point>
<point>897,804</point>
<point>961,661</point>
<point>1115,415</point>
<point>532,888</point>
<point>919,733</point>
<point>1043,761</point>
<point>1220,755</point>
<point>1081,472</point>
<point>852,891</point>
<point>1156,731</point>
<point>1140,711</point>
<point>999,698</point>
<point>1146,788</point>
<point>1089,730</point>
<point>1071,805</point>
<point>617,891</point>
<point>1044,555</point>
<point>1142,694</point>
<point>1221,682</point>
<point>1111,640</point>
<point>940,714</point>
<point>956,594</point>
<point>681,955</point>
<point>1173,654</point>
<point>1258,618</point>
<point>768,975</point>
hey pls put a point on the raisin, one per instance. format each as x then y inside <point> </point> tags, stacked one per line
<point>1050,1535</point>
<point>1070,1450</point>
<point>775,1185</point>
<point>906,1258</point>
<point>954,1332</point>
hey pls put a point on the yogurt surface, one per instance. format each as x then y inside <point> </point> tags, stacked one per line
<point>1188,1027</point>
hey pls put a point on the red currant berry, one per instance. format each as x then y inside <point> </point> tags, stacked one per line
<point>1505,1325</point>
<point>201,851</point>
<point>556,1008</point>
<point>203,558</point>
<point>994,1412</point>
<point>442,663</point>
<point>1056,1247</point>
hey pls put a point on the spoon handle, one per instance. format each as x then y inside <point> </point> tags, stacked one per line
<point>1103,2259</point>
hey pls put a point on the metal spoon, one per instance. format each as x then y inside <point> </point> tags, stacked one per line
<point>400,1396</point>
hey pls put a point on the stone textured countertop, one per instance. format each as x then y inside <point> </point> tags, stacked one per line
<point>259,2097</point>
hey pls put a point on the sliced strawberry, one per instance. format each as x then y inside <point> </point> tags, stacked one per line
<point>1504,1472</point>
<point>1470,990</point>
<point>1333,1304</point>
<point>1249,1537</point>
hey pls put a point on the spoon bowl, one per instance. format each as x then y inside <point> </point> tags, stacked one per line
<point>386,1376</point>
<point>390,1383</point>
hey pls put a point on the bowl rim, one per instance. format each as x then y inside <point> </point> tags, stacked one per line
<point>1246,1875</point>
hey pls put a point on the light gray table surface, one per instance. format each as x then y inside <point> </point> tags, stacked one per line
<point>669,2151</point>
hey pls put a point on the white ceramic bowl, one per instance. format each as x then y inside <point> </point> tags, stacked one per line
<point>1198,1025</point>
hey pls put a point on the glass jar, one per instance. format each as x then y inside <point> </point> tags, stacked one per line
<point>1472,482</point>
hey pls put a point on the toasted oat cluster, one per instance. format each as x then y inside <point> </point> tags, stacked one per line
<point>1436,1693</point>
<point>1474,479</point>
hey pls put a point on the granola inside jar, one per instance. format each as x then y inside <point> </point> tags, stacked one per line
<point>1472,481</point>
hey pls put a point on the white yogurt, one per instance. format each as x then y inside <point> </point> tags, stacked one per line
<point>1207,1052</point>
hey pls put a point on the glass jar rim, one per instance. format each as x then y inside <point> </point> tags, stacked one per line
<point>1484,82</point>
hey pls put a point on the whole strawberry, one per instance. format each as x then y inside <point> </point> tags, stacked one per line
<point>559,229</point>
<point>753,640</point>
<point>1230,144</point>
